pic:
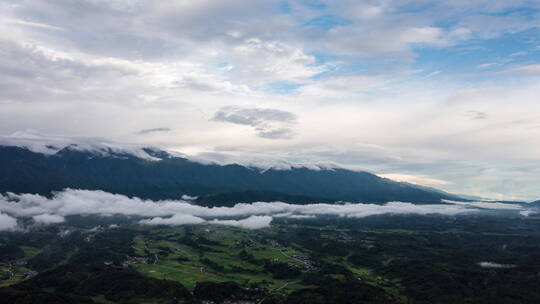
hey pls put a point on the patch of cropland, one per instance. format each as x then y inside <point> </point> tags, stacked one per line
<point>376,259</point>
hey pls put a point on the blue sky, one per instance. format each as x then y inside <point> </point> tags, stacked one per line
<point>440,93</point>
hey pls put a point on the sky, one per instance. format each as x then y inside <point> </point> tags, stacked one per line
<point>438,93</point>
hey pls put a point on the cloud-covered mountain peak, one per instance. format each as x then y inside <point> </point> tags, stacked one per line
<point>58,145</point>
<point>88,163</point>
<point>55,145</point>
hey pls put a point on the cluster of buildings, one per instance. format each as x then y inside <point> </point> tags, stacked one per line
<point>305,263</point>
<point>134,260</point>
<point>11,267</point>
<point>29,274</point>
<point>19,263</point>
<point>244,243</point>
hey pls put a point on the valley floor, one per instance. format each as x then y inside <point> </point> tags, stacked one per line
<point>378,259</point>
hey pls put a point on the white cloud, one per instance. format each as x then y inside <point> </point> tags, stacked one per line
<point>7,222</point>
<point>495,265</point>
<point>21,22</point>
<point>48,218</point>
<point>300,216</point>
<point>177,219</point>
<point>186,197</point>
<point>252,216</point>
<point>50,145</point>
<point>522,53</point>
<point>532,69</point>
<point>488,205</point>
<point>252,222</point>
<point>527,212</point>
<point>343,86</point>
<point>261,62</point>
<point>415,179</point>
<point>488,65</point>
<point>268,123</point>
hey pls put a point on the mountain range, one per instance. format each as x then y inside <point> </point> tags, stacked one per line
<point>150,173</point>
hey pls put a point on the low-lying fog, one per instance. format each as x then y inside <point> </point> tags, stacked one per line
<point>43,210</point>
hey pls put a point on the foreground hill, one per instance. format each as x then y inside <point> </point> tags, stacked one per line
<point>154,174</point>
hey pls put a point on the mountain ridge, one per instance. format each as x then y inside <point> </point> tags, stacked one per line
<point>53,145</point>
<point>161,175</point>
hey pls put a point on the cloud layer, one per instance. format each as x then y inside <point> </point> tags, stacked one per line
<point>252,216</point>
